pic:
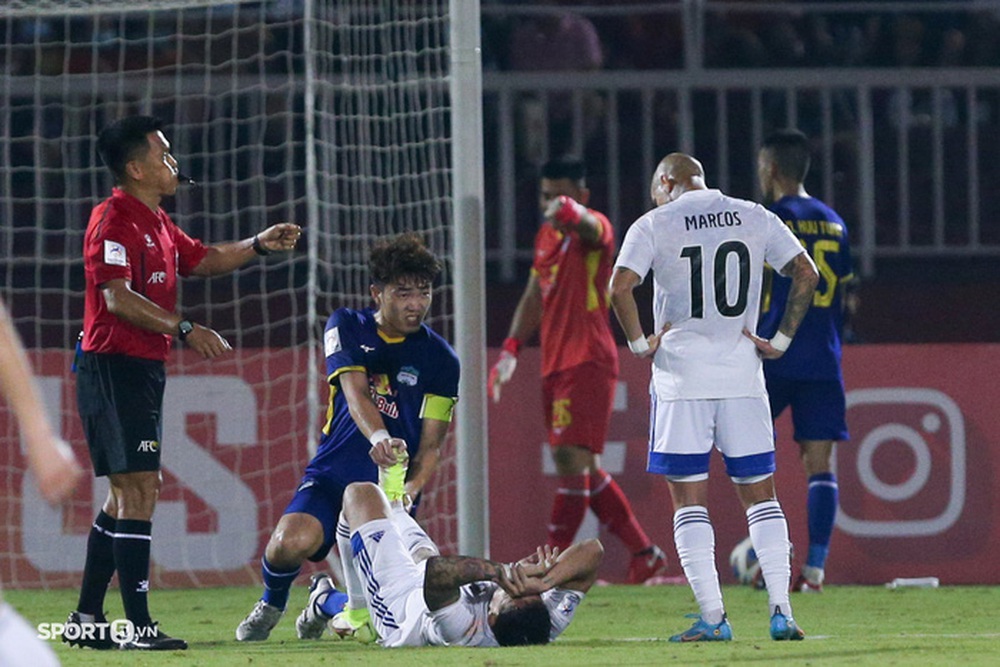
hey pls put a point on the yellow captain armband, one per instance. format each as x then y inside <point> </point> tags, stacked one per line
<point>440,408</point>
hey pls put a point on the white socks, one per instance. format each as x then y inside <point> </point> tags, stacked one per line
<point>355,588</point>
<point>769,534</point>
<point>694,538</point>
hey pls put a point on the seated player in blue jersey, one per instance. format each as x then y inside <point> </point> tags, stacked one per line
<point>807,377</point>
<point>393,388</point>
<point>418,597</point>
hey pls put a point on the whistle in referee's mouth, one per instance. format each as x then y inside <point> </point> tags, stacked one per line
<point>184,178</point>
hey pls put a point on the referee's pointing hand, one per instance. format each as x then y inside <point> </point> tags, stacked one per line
<point>281,237</point>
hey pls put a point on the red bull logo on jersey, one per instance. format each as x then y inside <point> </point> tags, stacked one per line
<point>379,384</point>
<point>382,393</point>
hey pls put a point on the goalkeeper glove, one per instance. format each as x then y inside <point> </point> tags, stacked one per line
<point>503,369</point>
<point>565,213</point>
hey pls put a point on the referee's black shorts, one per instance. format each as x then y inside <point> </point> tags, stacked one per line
<point>120,400</point>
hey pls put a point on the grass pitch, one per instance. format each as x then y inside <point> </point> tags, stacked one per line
<point>616,625</point>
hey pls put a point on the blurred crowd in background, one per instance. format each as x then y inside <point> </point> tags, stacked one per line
<point>534,35</point>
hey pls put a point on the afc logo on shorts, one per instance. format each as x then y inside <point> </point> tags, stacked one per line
<point>148,446</point>
<point>157,278</point>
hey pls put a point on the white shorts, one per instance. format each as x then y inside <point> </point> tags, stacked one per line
<point>683,432</point>
<point>415,538</point>
<point>394,584</point>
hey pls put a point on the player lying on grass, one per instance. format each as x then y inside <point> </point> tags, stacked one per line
<point>416,597</point>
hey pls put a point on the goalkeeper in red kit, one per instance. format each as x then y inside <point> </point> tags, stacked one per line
<point>566,298</point>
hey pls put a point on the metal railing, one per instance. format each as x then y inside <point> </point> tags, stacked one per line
<point>902,153</point>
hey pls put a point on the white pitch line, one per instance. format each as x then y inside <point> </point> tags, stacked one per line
<point>664,639</point>
<point>950,635</point>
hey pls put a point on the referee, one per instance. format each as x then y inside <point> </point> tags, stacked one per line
<point>133,253</point>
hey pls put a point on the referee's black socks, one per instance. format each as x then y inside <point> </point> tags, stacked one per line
<point>131,549</point>
<point>99,566</point>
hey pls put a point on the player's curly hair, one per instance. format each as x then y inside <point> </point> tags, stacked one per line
<point>402,256</point>
<point>124,140</point>
<point>523,626</point>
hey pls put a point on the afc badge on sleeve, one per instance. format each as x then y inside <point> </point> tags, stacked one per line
<point>114,253</point>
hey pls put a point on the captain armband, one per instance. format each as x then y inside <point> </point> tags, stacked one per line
<point>439,408</point>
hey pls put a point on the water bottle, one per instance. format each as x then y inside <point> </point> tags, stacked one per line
<point>913,582</point>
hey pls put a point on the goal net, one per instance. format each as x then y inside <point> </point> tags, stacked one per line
<point>330,113</point>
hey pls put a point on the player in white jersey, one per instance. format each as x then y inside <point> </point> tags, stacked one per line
<point>707,253</point>
<point>417,597</point>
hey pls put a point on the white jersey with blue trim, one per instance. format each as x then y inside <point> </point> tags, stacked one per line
<point>707,253</point>
<point>465,622</point>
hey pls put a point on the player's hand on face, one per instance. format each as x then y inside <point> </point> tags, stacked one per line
<point>764,347</point>
<point>516,581</point>
<point>388,452</point>
<point>207,342</point>
<point>539,563</point>
<point>500,374</point>
<point>280,238</point>
<point>56,471</point>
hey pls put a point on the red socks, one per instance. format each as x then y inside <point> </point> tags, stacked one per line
<point>568,509</point>
<point>614,511</point>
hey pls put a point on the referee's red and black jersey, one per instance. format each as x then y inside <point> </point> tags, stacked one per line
<point>125,239</point>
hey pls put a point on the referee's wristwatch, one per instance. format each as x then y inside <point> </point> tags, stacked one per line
<point>184,327</point>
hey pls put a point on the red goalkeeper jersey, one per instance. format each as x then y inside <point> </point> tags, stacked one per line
<point>574,277</point>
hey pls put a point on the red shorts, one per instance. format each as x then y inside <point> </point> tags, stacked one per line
<point>578,405</point>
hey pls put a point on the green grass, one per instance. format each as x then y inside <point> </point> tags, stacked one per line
<point>616,625</point>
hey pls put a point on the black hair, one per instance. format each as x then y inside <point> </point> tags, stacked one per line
<point>523,626</point>
<point>790,150</point>
<point>124,140</point>
<point>402,256</point>
<point>565,167</point>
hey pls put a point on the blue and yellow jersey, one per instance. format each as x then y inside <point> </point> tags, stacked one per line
<point>815,352</point>
<point>411,379</point>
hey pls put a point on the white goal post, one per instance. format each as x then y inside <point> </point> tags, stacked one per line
<point>338,114</point>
